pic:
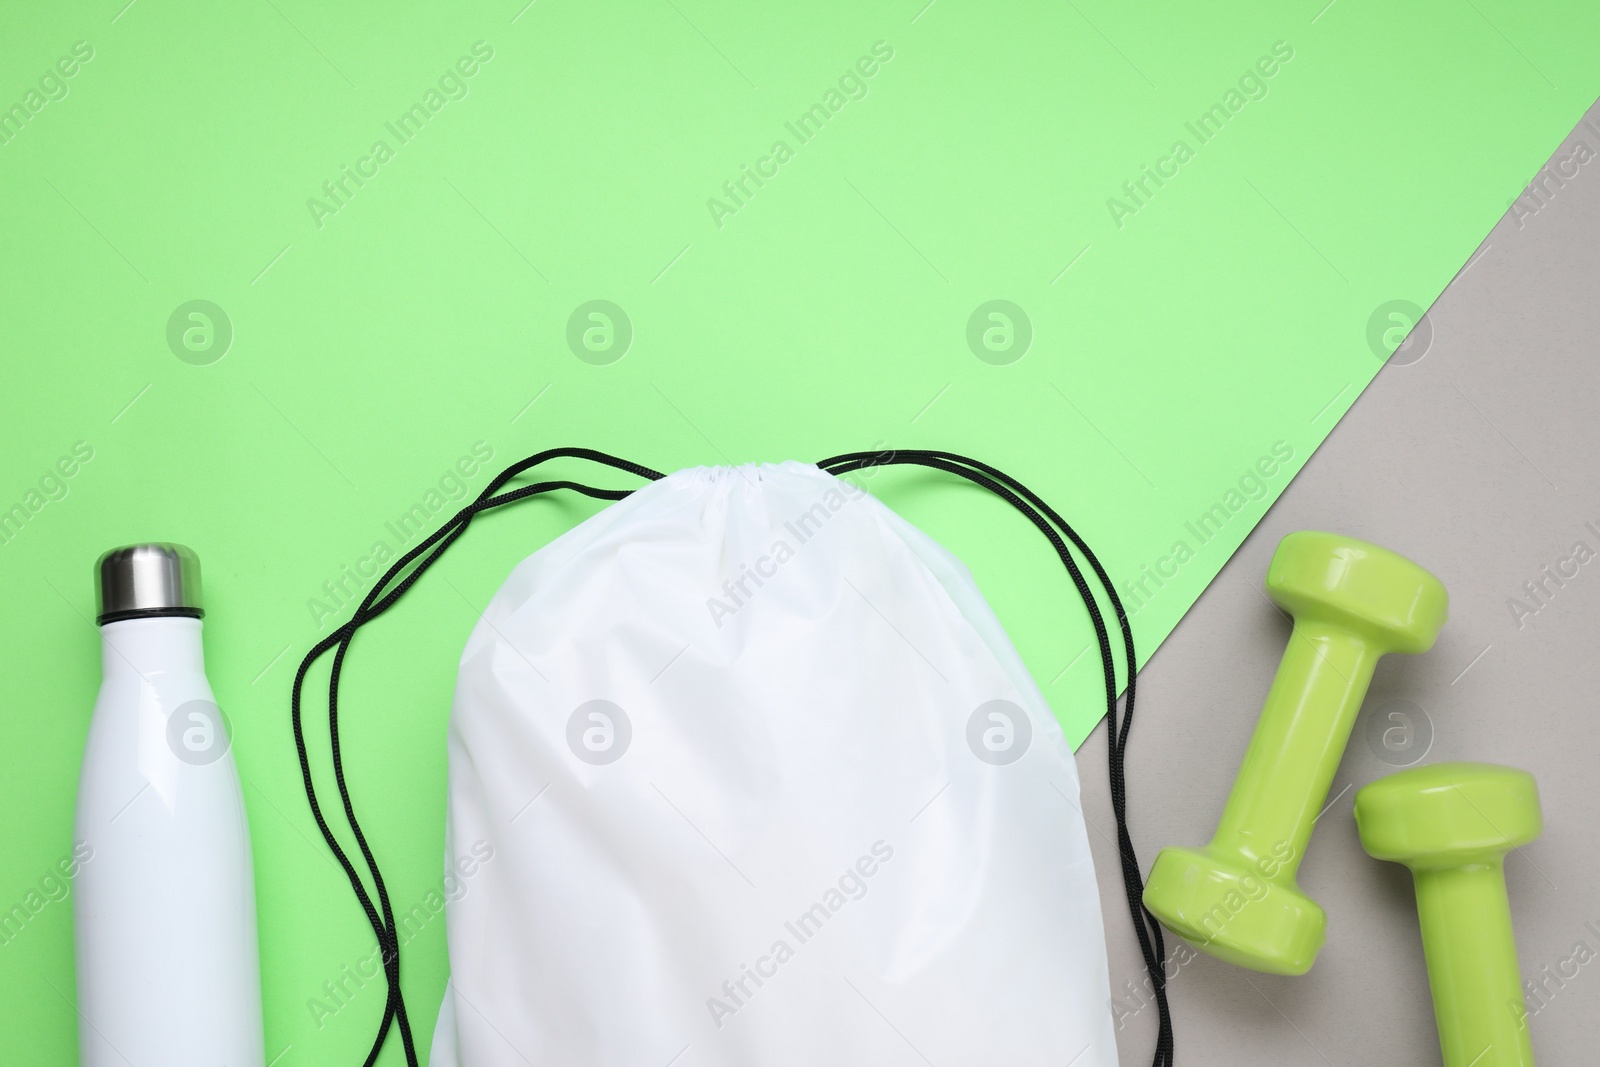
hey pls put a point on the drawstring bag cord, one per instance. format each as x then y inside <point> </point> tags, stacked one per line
<point>391,586</point>
<point>377,601</point>
<point>1152,944</point>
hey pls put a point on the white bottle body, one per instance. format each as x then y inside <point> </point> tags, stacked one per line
<point>164,910</point>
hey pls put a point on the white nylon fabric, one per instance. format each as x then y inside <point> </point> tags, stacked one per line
<point>729,786</point>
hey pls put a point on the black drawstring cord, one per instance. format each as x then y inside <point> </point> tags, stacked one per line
<point>381,597</point>
<point>378,600</point>
<point>1152,944</point>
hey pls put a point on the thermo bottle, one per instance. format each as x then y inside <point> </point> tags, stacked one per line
<point>164,909</point>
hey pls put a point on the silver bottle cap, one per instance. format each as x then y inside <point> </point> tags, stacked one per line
<point>138,581</point>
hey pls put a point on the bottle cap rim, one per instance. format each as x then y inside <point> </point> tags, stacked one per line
<point>151,579</point>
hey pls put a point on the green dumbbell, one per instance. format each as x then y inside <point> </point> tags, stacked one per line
<point>1237,898</point>
<point>1452,824</point>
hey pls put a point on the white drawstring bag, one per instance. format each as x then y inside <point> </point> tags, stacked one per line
<point>761,782</point>
<point>743,772</point>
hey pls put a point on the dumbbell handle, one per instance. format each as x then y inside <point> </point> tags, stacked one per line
<point>1472,966</point>
<point>1298,742</point>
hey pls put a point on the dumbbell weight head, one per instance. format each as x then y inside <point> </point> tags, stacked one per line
<point>1223,903</point>
<point>1452,824</point>
<point>1359,587</point>
<point>1448,815</point>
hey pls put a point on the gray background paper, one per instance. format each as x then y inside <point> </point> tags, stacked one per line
<point>1476,452</point>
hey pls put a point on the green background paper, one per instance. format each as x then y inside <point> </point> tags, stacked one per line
<point>1228,315</point>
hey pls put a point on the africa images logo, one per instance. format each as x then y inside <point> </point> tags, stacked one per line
<point>599,732</point>
<point>852,85</point>
<point>337,192</point>
<point>1253,85</point>
<point>737,992</point>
